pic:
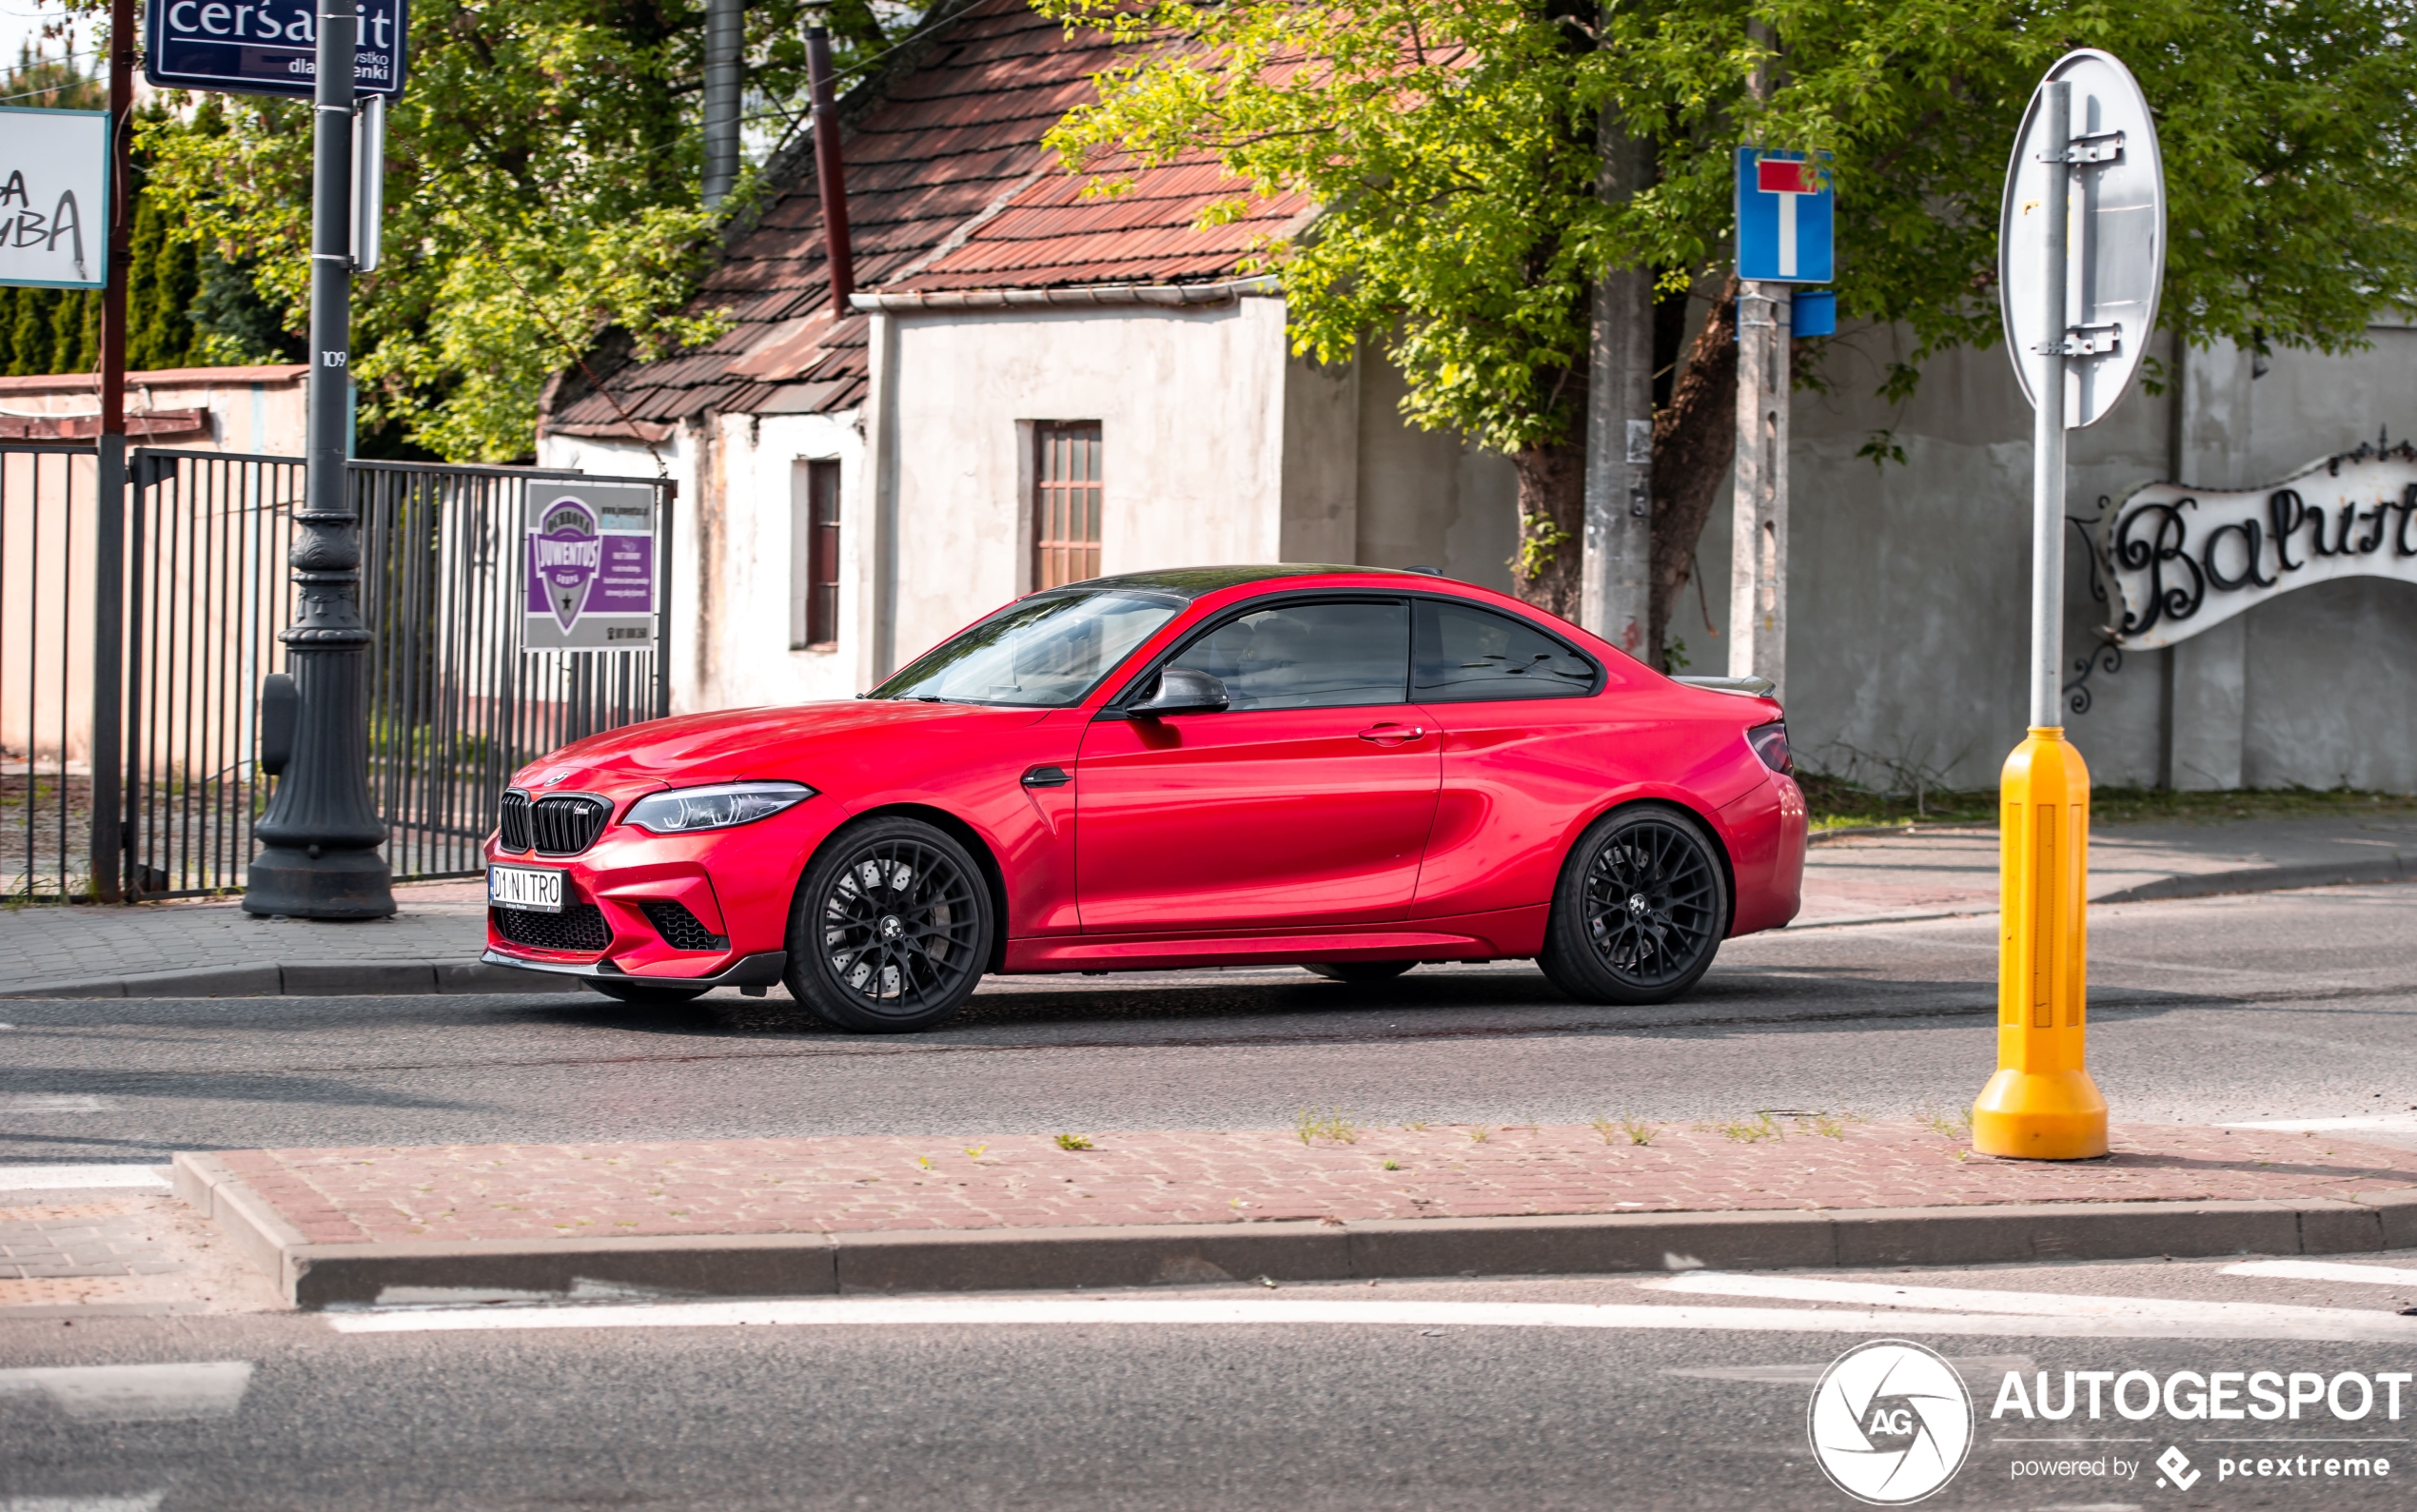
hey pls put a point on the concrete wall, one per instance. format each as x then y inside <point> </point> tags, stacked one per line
<point>1908,586</point>
<point>1426,498</point>
<point>258,410</point>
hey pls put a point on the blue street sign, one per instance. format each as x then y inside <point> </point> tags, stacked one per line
<point>1784,206</point>
<point>252,49</point>
<point>1814,312</point>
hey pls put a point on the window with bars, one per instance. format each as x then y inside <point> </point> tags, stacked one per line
<point>814,556</point>
<point>1066,502</point>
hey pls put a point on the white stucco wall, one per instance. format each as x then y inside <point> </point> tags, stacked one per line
<point>1189,403</point>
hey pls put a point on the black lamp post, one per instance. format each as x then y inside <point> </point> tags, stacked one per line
<point>319,857</point>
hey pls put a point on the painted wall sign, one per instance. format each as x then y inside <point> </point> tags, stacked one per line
<point>2185,559</point>
<point>589,561</point>
<point>271,49</point>
<point>1784,210</point>
<point>54,198</point>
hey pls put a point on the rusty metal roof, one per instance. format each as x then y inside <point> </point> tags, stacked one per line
<point>949,189</point>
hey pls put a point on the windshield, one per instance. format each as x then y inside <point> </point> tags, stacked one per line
<point>1047,652</point>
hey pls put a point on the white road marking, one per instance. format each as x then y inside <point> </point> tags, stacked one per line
<point>2250,1315</point>
<point>1973,1368</point>
<point>82,1503</point>
<point>52,1103</point>
<point>2317,1324</point>
<point>62,1178</point>
<point>152,1393</point>
<point>2325,1271</point>
<point>2385,1122</point>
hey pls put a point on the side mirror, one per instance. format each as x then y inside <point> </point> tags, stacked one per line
<point>1181,690</point>
<point>280,706</point>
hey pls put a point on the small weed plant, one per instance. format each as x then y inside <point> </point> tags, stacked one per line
<point>1074,1141</point>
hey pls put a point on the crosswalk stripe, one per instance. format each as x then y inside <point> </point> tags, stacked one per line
<point>2298,1324</point>
<point>137,1393</point>
<point>66,1178</point>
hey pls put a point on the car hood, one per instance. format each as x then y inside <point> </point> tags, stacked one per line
<point>732,745</point>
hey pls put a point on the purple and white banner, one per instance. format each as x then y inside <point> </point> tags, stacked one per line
<point>589,560</point>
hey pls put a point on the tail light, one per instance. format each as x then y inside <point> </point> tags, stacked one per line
<point>1770,743</point>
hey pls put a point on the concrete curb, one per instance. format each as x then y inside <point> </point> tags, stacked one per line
<point>317,1276</point>
<point>314,979</point>
<point>2268,879</point>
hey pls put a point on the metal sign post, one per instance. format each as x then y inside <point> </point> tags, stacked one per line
<point>319,857</point>
<point>2081,258</point>
<point>1785,212</point>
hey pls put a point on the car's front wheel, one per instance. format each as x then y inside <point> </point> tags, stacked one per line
<point>892,928</point>
<point>1640,910</point>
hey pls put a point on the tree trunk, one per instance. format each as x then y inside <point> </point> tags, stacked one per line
<point>1552,521</point>
<point>1694,438</point>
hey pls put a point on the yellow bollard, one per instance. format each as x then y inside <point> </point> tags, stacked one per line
<point>2042,1105</point>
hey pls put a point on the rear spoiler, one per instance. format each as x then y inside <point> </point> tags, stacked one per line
<point>1742,687</point>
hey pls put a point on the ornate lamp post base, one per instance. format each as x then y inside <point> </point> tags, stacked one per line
<point>331,885</point>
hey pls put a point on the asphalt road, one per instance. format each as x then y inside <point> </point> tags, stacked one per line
<point>203,1393</point>
<point>2267,1006</point>
<point>1373,1406</point>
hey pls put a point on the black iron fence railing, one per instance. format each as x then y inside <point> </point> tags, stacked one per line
<point>456,702</point>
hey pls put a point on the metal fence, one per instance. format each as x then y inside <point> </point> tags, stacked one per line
<point>456,704</point>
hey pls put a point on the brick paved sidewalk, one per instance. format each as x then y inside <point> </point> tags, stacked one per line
<point>863,1184</point>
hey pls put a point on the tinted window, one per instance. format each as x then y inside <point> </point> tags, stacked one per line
<point>1467,653</point>
<point>1308,656</point>
<point>1049,650</point>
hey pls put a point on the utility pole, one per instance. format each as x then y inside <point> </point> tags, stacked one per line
<point>1759,536</point>
<point>725,47</point>
<point>1614,583</point>
<point>319,856</point>
<point>108,858</point>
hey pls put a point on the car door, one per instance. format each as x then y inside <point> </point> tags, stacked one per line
<point>1306,802</point>
<point>1526,749</point>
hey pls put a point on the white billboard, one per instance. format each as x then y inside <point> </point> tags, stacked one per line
<point>54,198</point>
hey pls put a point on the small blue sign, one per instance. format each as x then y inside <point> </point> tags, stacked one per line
<point>1784,216</point>
<point>1813,312</point>
<point>248,48</point>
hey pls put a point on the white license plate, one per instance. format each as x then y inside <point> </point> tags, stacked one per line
<point>520,887</point>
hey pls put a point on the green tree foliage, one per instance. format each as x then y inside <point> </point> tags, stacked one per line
<point>542,189</point>
<point>1451,144</point>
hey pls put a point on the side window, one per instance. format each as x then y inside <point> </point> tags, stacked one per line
<point>1308,656</point>
<point>1465,652</point>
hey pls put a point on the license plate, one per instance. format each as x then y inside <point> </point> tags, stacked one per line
<point>522,886</point>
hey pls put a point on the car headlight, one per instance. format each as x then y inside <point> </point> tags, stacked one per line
<point>725,806</point>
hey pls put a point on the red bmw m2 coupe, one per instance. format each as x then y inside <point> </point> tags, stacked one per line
<point>1349,769</point>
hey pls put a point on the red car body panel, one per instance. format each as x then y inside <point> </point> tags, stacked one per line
<point>1429,831</point>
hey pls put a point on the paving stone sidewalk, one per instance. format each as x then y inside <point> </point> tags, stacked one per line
<point>868,1185</point>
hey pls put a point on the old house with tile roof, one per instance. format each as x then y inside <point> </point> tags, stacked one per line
<point>1031,387</point>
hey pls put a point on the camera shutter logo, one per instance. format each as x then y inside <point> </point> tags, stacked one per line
<point>1890,1423</point>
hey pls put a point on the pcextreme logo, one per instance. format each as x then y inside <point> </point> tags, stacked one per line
<point>1890,1423</point>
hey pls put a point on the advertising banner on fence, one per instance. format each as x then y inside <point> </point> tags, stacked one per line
<point>54,198</point>
<point>590,559</point>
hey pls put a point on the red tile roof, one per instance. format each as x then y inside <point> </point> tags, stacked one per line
<point>949,189</point>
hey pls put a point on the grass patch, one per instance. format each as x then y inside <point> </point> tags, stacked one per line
<point>1635,1130</point>
<point>1957,1123</point>
<point>1749,1130</point>
<point>1838,803</point>
<point>1074,1141</point>
<point>1309,1124</point>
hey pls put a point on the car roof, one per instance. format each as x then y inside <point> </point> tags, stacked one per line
<point>1193,583</point>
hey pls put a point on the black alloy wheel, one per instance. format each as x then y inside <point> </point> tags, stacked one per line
<point>1359,973</point>
<point>646,994</point>
<point>1640,909</point>
<point>892,928</point>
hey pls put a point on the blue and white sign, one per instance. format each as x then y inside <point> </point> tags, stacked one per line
<point>271,49</point>
<point>54,198</point>
<point>1784,215</point>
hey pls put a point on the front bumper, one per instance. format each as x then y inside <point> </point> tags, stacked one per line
<point>762,969</point>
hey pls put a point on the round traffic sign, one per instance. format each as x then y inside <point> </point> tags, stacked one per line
<point>2114,263</point>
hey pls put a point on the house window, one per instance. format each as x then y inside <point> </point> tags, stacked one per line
<point>1066,504</point>
<point>814,556</point>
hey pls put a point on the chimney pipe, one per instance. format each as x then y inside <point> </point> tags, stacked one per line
<point>725,46</point>
<point>829,173</point>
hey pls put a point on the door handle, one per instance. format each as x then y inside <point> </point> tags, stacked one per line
<point>1048,778</point>
<point>1391,734</point>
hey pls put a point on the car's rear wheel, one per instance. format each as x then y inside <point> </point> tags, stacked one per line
<point>1640,910</point>
<point>892,930</point>
<point>645,995</point>
<point>1359,973</point>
